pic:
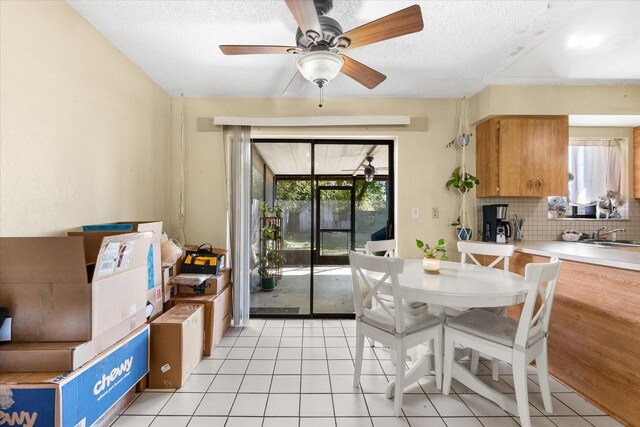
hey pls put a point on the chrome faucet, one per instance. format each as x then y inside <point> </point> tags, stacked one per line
<point>597,235</point>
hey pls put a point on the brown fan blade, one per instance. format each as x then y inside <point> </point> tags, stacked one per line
<point>233,49</point>
<point>304,11</point>
<point>359,72</point>
<point>405,21</point>
<point>296,85</point>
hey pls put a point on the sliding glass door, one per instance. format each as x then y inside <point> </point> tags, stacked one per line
<point>333,197</point>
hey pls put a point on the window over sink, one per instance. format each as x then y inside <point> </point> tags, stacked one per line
<point>596,188</point>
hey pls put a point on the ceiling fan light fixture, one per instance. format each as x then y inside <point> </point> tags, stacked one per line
<point>320,67</point>
<point>369,172</point>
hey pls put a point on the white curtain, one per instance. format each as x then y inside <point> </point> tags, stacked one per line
<point>596,166</point>
<point>237,144</point>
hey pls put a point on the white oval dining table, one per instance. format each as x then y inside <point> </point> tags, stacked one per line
<point>462,285</point>
<point>459,286</point>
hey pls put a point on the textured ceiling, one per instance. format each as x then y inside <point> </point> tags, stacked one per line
<point>465,45</point>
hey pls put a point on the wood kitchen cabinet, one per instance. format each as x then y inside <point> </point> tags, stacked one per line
<point>593,340</point>
<point>522,156</point>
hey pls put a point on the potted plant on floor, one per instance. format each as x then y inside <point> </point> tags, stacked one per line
<point>271,259</point>
<point>431,262</point>
<point>268,282</point>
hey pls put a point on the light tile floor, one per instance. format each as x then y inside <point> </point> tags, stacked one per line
<point>298,373</point>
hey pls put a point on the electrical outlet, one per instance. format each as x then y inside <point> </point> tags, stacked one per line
<point>415,213</point>
<point>435,213</point>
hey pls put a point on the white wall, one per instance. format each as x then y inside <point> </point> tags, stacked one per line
<point>84,133</point>
<point>554,100</point>
<point>423,161</point>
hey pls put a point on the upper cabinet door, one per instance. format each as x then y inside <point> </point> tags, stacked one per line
<point>522,156</point>
<point>551,152</point>
<point>487,159</point>
<point>516,139</point>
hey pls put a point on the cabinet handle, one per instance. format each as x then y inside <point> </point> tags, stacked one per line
<point>538,184</point>
<point>530,184</point>
<point>497,190</point>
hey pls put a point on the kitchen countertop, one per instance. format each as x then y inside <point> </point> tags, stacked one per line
<point>617,257</point>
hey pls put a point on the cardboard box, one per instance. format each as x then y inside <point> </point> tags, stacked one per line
<point>216,283</point>
<point>176,345</point>
<point>222,315</point>
<point>215,307</point>
<point>46,356</point>
<point>155,303</point>
<point>93,242</point>
<point>78,398</point>
<point>168,288</point>
<point>208,302</point>
<point>43,283</point>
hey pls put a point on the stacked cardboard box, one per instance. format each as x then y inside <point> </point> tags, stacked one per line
<point>168,288</point>
<point>92,238</point>
<point>217,314</point>
<point>77,346</point>
<point>190,327</point>
<point>176,345</point>
<point>55,310</point>
<point>87,396</point>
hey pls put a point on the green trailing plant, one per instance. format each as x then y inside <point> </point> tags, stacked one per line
<point>263,268</point>
<point>267,211</point>
<point>434,250</point>
<point>269,232</point>
<point>463,182</point>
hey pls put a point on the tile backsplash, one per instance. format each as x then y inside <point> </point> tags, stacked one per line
<point>537,226</point>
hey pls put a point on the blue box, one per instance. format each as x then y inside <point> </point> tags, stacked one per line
<point>108,227</point>
<point>80,397</point>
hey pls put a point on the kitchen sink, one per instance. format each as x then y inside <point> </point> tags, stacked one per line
<point>617,243</point>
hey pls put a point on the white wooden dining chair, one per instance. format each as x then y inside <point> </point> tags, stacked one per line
<point>388,247</point>
<point>502,252</point>
<point>510,340</point>
<point>389,323</point>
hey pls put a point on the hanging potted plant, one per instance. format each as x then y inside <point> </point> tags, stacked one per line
<point>463,233</point>
<point>460,179</point>
<point>431,262</point>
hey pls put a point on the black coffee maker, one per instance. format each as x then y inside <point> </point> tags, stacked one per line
<point>495,227</point>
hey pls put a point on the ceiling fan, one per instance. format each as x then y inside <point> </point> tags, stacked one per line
<point>320,42</point>
<point>369,169</point>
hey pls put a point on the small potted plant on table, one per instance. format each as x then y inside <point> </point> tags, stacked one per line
<point>430,262</point>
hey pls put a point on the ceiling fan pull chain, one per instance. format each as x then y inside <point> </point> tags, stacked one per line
<point>321,99</point>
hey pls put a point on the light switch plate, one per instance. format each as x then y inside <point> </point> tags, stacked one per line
<point>415,213</point>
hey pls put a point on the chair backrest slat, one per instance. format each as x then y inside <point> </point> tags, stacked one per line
<point>500,251</point>
<point>372,247</point>
<point>532,324</point>
<point>369,275</point>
